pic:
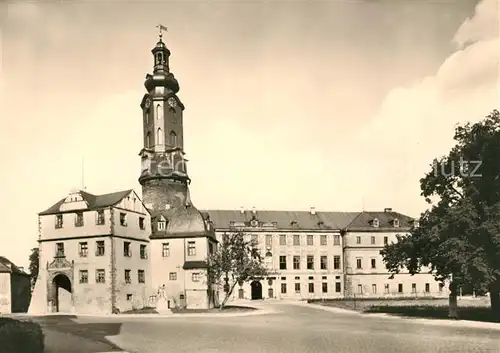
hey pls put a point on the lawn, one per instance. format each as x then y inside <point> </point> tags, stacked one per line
<point>474,309</point>
<point>226,309</point>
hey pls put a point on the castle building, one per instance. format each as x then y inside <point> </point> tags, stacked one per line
<point>115,252</point>
<point>324,255</point>
<point>94,254</point>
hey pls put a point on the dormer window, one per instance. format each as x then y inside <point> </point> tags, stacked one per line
<point>162,225</point>
<point>294,223</point>
<point>375,223</point>
<point>395,223</point>
<point>415,223</point>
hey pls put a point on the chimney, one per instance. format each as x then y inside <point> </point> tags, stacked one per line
<point>242,210</point>
<point>388,209</point>
<point>254,210</point>
<point>313,210</point>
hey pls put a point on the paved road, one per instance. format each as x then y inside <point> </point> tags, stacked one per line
<point>293,329</point>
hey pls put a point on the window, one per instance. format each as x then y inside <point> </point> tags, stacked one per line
<point>141,278</point>
<point>396,223</point>
<point>59,249</point>
<point>441,286</point>
<point>374,288</point>
<point>195,277</point>
<point>324,287</point>
<point>255,240</point>
<point>83,249</point>
<point>172,276</point>
<point>282,239</point>
<point>129,297</point>
<point>374,263</point>
<point>282,262</point>
<point>386,240</point>
<point>173,138</point>
<point>123,219</point>
<point>99,251</point>
<point>143,252</point>
<point>100,276</point>
<point>376,223</point>
<point>159,111</point>
<point>322,239</point>
<point>360,289</point>
<point>427,288</point>
<point>311,287</point>
<point>297,288</point>
<point>400,287</point>
<point>100,217</point>
<point>296,262</point>
<point>336,239</point>
<point>79,219</point>
<point>165,250</point>
<point>148,140</point>
<point>127,251</point>
<point>128,278</point>
<point>414,288</point>
<point>269,240</point>
<point>191,248</point>
<point>359,263</point>
<point>386,288</point>
<point>283,288</point>
<point>84,276</point>
<point>373,240</point>
<point>310,240</point>
<point>338,287</point>
<point>210,248</point>
<point>336,262</point>
<point>161,225</point>
<point>310,262</point>
<point>141,223</point>
<point>296,239</point>
<point>358,240</point>
<point>323,262</point>
<point>59,221</point>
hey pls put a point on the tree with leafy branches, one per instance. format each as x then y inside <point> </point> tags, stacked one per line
<point>459,237</point>
<point>34,260</point>
<point>237,260</point>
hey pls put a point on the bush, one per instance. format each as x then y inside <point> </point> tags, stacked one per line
<point>20,337</point>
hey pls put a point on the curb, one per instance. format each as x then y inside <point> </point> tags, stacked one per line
<point>255,312</point>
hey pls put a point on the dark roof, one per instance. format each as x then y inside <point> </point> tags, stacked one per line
<point>8,266</point>
<point>363,221</point>
<point>304,220</point>
<point>190,265</point>
<point>93,201</point>
<point>300,220</point>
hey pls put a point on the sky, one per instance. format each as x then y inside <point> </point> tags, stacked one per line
<point>340,105</point>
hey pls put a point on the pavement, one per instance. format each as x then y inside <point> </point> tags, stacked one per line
<point>279,327</point>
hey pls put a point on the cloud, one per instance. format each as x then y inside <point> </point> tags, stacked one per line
<point>416,123</point>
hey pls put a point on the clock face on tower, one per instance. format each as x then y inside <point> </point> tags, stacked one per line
<point>172,102</point>
<point>148,103</point>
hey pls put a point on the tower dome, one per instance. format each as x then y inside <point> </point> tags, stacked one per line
<point>186,220</point>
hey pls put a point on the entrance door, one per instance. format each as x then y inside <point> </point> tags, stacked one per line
<point>270,293</point>
<point>62,293</point>
<point>256,290</point>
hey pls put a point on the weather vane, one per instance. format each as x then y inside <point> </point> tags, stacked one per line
<point>161,28</point>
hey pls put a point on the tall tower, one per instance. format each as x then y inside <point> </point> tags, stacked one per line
<point>163,176</point>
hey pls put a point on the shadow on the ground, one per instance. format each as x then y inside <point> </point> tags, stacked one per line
<point>435,312</point>
<point>96,332</point>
